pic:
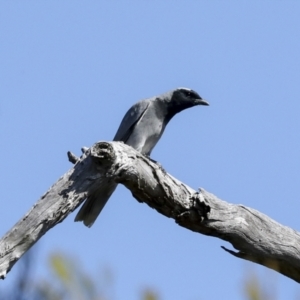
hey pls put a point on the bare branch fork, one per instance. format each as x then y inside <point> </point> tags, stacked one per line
<point>257,237</point>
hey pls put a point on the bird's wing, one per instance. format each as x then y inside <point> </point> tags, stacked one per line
<point>133,115</point>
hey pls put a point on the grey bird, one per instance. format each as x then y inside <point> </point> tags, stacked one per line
<point>141,128</point>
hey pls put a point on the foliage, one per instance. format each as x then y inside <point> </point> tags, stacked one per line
<point>69,281</point>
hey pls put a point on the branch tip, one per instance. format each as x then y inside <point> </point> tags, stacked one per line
<point>84,150</point>
<point>72,157</point>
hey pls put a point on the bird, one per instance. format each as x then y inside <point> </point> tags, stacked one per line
<point>141,128</point>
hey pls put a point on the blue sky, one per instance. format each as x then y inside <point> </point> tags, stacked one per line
<point>69,72</point>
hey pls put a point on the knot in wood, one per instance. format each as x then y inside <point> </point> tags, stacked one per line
<point>200,205</point>
<point>103,154</point>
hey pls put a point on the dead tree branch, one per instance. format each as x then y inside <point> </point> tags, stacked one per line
<point>257,237</point>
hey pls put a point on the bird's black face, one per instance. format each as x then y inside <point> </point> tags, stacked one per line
<point>187,98</point>
<point>180,99</point>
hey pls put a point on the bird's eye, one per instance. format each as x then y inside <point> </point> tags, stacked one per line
<point>189,94</point>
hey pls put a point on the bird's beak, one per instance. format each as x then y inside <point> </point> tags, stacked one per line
<point>201,102</point>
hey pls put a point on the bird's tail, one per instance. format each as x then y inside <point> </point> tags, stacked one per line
<point>94,204</point>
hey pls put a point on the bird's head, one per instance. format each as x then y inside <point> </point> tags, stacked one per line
<point>188,97</point>
<point>183,98</point>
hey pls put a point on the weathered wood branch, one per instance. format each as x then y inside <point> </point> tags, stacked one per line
<point>257,237</point>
